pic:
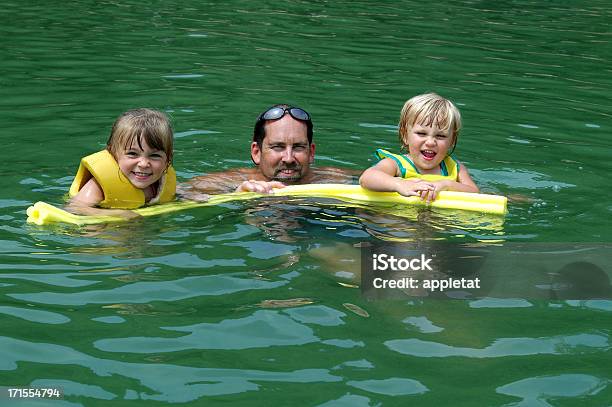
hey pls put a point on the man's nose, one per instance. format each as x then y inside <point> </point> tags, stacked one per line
<point>288,155</point>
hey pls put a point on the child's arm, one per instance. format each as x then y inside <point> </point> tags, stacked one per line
<point>89,196</point>
<point>384,177</point>
<point>84,202</point>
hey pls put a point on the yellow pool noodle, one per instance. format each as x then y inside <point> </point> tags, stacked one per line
<point>42,213</point>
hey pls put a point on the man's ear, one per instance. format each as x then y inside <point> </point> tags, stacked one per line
<point>312,152</point>
<point>255,153</point>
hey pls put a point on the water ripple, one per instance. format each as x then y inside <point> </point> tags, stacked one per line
<point>535,390</point>
<point>170,383</point>
<point>317,314</point>
<point>423,324</point>
<point>344,343</point>
<point>500,303</point>
<point>601,305</point>
<point>44,317</point>
<point>260,330</point>
<point>394,386</point>
<point>145,292</point>
<point>59,279</point>
<point>558,345</point>
<point>348,400</point>
<point>72,388</point>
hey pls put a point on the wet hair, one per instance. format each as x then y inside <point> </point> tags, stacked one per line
<point>427,110</point>
<point>259,132</point>
<point>137,125</point>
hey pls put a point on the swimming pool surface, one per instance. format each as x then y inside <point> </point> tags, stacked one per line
<point>255,303</point>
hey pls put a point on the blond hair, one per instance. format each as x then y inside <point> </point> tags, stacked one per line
<point>136,125</point>
<point>427,110</point>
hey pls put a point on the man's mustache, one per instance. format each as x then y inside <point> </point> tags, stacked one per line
<point>294,166</point>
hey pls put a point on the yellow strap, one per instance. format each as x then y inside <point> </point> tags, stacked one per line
<point>168,191</point>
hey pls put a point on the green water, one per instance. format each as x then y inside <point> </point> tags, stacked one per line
<point>177,308</point>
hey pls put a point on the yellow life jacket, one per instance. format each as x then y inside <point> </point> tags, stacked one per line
<point>118,190</point>
<point>449,167</point>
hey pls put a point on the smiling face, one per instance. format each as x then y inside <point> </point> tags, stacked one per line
<point>141,164</point>
<point>429,126</point>
<point>428,146</point>
<point>285,154</point>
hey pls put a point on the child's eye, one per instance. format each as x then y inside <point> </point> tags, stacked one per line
<point>131,154</point>
<point>442,136</point>
<point>156,156</point>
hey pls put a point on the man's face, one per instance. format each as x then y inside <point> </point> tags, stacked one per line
<point>285,154</point>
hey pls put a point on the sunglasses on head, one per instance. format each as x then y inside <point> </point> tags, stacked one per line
<point>275,113</point>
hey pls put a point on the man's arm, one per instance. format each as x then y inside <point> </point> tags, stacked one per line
<point>333,175</point>
<point>197,188</point>
<point>251,180</point>
<point>236,180</point>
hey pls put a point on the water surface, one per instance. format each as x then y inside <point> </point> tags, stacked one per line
<point>257,301</point>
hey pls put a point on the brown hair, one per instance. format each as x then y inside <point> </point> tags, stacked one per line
<point>136,125</point>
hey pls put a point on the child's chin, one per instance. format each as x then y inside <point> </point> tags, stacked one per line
<point>430,163</point>
<point>140,184</point>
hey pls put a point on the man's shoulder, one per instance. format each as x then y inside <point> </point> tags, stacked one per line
<point>333,175</point>
<point>222,181</point>
<point>231,174</point>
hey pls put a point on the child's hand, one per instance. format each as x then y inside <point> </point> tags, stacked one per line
<point>414,187</point>
<point>431,194</point>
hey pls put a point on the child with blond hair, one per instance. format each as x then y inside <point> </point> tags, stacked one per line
<point>428,132</point>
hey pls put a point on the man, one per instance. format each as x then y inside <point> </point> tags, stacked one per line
<point>282,150</point>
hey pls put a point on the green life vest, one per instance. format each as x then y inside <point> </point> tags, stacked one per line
<point>449,167</point>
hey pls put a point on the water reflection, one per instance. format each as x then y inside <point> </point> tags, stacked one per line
<point>351,64</point>
<point>578,344</point>
<point>537,391</point>
<point>163,382</point>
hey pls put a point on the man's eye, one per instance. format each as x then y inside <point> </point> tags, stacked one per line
<point>299,148</point>
<point>278,148</point>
